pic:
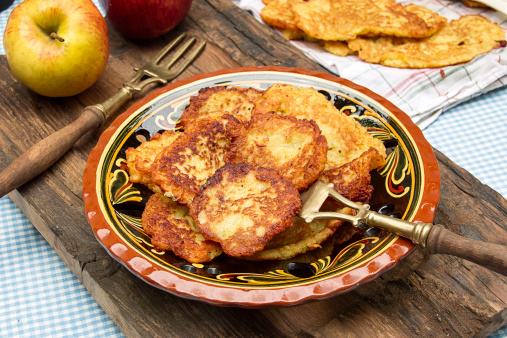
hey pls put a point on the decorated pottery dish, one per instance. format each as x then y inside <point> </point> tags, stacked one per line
<point>407,186</point>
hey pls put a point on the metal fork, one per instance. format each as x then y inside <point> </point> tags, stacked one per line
<point>434,237</point>
<point>43,154</point>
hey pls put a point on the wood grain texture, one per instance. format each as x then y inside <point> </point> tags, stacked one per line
<point>425,295</point>
<point>489,255</point>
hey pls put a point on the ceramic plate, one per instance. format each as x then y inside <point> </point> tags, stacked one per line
<point>407,187</point>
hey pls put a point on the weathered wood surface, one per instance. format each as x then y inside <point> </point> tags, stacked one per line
<point>442,296</point>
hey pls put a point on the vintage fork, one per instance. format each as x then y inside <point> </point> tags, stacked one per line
<point>43,154</point>
<point>434,237</point>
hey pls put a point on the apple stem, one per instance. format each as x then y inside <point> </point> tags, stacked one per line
<point>55,36</point>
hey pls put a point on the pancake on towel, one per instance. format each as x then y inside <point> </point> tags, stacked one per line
<point>171,228</point>
<point>293,147</point>
<point>343,20</point>
<point>458,41</point>
<point>140,159</point>
<point>434,21</point>
<point>213,102</point>
<point>277,14</point>
<point>242,208</point>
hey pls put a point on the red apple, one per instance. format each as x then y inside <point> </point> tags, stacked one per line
<point>145,19</point>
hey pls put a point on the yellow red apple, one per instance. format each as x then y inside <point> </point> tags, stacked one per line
<point>57,48</point>
<point>145,19</point>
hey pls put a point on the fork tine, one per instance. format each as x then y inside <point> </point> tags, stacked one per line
<point>166,49</point>
<point>178,53</point>
<point>188,60</point>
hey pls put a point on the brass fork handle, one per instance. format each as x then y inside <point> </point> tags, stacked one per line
<point>46,152</point>
<point>489,255</point>
<point>439,240</point>
<point>43,154</point>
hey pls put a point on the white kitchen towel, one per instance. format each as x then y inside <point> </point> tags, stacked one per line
<point>421,93</point>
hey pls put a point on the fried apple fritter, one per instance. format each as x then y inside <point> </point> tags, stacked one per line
<point>346,138</point>
<point>342,20</point>
<point>140,159</point>
<point>181,168</point>
<point>242,208</point>
<point>277,14</point>
<point>293,147</point>
<point>353,179</point>
<point>171,228</point>
<point>213,102</point>
<point>434,21</point>
<point>458,41</point>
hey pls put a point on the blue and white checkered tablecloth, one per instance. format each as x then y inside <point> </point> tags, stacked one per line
<point>40,296</point>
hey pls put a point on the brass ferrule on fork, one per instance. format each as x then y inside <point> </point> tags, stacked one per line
<point>114,102</point>
<point>416,232</point>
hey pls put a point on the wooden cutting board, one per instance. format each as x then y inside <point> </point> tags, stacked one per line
<point>424,296</point>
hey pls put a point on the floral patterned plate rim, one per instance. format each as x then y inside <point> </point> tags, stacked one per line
<point>407,187</point>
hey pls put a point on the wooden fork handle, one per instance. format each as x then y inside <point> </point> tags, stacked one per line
<point>43,154</point>
<point>488,255</point>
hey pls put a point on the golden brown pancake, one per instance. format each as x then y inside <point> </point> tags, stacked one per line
<point>188,162</point>
<point>277,14</point>
<point>140,159</point>
<point>242,208</point>
<point>346,138</point>
<point>293,147</point>
<point>341,20</point>
<point>171,228</point>
<point>213,102</point>
<point>434,21</point>
<point>458,41</point>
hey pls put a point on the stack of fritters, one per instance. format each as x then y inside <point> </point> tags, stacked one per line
<point>231,180</point>
<point>383,31</point>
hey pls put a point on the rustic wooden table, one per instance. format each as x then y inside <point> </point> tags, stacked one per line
<point>424,296</point>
